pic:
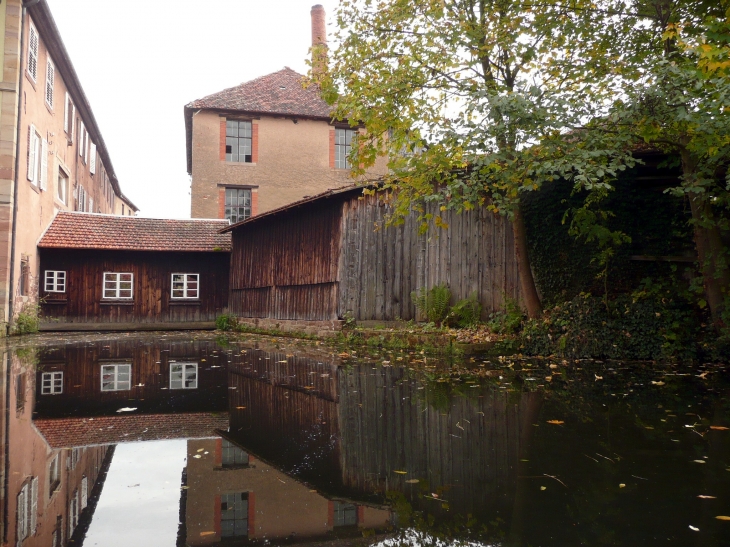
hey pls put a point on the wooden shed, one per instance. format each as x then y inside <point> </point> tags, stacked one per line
<point>332,256</point>
<point>124,273</point>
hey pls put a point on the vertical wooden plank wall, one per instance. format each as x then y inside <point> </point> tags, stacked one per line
<point>382,265</point>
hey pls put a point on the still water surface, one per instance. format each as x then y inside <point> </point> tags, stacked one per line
<point>187,439</point>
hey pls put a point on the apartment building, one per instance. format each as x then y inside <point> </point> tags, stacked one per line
<point>52,153</point>
<point>266,143</point>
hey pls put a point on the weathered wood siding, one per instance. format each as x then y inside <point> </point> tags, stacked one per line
<point>382,265</point>
<point>152,303</point>
<point>286,268</point>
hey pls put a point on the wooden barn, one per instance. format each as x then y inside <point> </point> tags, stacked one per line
<point>125,273</point>
<point>331,256</point>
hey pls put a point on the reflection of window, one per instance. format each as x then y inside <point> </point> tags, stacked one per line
<point>58,533</point>
<point>54,475</point>
<point>232,455</point>
<point>20,392</point>
<point>118,285</point>
<point>52,383</point>
<point>345,514</point>
<point>343,146</point>
<point>73,513</point>
<point>27,509</point>
<point>84,492</point>
<point>183,375</point>
<point>234,515</point>
<point>238,204</point>
<point>238,141</point>
<point>116,377</point>
<point>184,285</point>
<point>55,281</point>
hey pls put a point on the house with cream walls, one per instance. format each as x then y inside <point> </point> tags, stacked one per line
<point>265,144</point>
<point>52,153</point>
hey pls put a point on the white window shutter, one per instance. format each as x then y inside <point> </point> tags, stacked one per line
<point>84,492</point>
<point>50,81</point>
<point>33,53</point>
<point>31,153</point>
<point>81,139</point>
<point>91,205</point>
<point>33,505</point>
<point>73,121</point>
<point>66,113</point>
<point>92,165</point>
<point>44,165</point>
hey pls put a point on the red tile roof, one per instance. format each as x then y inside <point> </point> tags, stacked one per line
<point>70,230</point>
<point>277,93</point>
<point>127,428</point>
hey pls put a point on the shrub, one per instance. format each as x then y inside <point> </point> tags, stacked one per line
<point>507,321</point>
<point>226,322</point>
<point>466,312</point>
<point>433,303</point>
<point>27,320</point>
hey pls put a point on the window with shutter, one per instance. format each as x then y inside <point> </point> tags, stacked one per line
<point>33,505</point>
<point>68,122</point>
<point>33,53</point>
<point>34,154</point>
<point>22,513</point>
<point>92,153</point>
<point>50,79</point>
<point>44,165</point>
<point>84,492</point>
<point>82,139</point>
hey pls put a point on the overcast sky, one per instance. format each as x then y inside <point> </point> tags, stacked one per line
<point>141,62</point>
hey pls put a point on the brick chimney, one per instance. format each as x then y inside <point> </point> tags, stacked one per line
<point>319,39</point>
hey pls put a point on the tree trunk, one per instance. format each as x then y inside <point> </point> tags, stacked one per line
<point>527,281</point>
<point>710,247</point>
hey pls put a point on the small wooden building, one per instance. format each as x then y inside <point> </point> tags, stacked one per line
<point>332,256</point>
<point>112,272</point>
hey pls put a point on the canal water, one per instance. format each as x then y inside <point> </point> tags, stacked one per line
<point>191,439</point>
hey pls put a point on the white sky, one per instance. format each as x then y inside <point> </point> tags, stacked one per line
<point>141,62</point>
<point>140,501</point>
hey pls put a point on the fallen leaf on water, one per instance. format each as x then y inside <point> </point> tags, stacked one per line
<point>694,528</point>
<point>401,472</point>
<point>622,485</point>
<point>543,488</point>
<point>202,534</point>
<point>699,461</point>
<point>198,456</point>
<point>722,517</point>
<point>548,378</point>
<point>412,481</point>
<point>707,497</point>
<point>660,383</point>
<point>434,495</point>
<point>555,422</point>
<point>284,361</point>
<point>648,427</point>
<point>719,427</point>
<point>127,409</point>
<point>313,491</point>
<point>200,449</point>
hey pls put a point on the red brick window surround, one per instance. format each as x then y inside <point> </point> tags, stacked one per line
<point>239,141</point>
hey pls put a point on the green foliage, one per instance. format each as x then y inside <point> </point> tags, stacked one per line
<point>28,320</point>
<point>632,327</point>
<point>465,313</point>
<point>226,321</point>
<point>433,303</point>
<point>508,321</point>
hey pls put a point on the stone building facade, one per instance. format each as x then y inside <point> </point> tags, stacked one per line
<point>52,154</point>
<point>266,143</point>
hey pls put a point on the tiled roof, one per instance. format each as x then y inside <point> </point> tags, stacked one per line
<point>277,93</point>
<point>71,230</point>
<point>127,428</point>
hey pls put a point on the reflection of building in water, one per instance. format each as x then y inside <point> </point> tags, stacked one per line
<point>49,489</point>
<point>232,495</point>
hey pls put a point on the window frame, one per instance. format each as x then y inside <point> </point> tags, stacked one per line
<point>62,175</point>
<point>35,156</point>
<point>184,288</point>
<point>228,207</point>
<point>225,499</point>
<point>343,149</point>
<point>50,82</point>
<point>117,384</point>
<point>32,53</point>
<point>55,281</point>
<point>52,377</point>
<point>117,289</point>
<point>249,138</point>
<point>54,474</point>
<point>183,374</point>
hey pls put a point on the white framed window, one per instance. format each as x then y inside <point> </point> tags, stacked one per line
<point>33,53</point>
<point>68,120</point>
<point>55,281</point>
<point>117,377</point>
<point>118,285</point>
<point>343,146</point>
<point>73,513</point>
<point>84,492</point>
<point>185,285</point>
<point>62,187</point>
<point>52,383</point>
<point>54,474</point>
<point>183,375</point>
<point>50,80</point>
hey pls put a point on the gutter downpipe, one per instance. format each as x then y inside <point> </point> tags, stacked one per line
<point>11,296</point>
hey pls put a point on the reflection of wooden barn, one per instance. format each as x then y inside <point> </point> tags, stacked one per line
<point>331,256</point>
<point>103,271</point>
